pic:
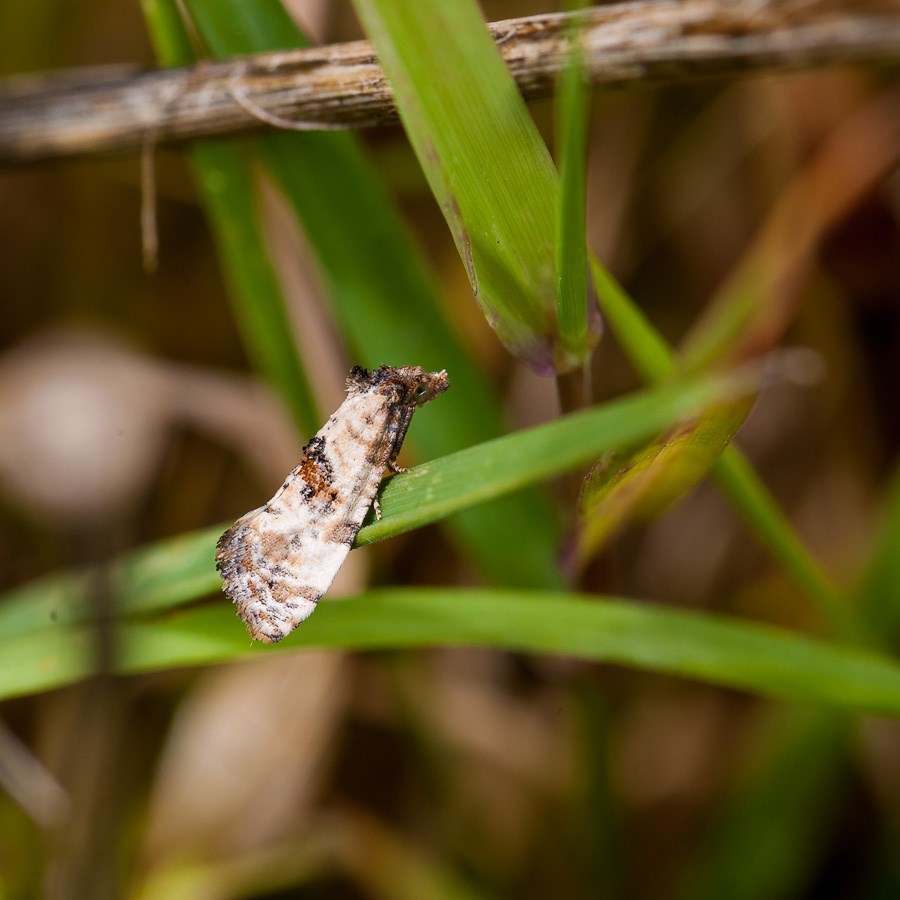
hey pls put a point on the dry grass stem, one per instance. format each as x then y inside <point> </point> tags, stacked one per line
<point>343,85</point>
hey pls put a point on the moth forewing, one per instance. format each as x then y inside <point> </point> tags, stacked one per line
<point>278,560</point>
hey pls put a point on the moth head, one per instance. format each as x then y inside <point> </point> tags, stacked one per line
<point>409,384</point>
<point>429,385</point>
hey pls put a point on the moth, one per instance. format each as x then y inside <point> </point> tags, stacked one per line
<point>278,560</point>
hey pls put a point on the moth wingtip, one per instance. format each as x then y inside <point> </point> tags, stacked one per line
<point>269,611</point>
<point>228,551</point>
<point>257,634</point>
<point>262,627</point>
<point>232,544</point>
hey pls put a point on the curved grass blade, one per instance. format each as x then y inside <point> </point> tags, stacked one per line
<point>154,578</point>
<point>508,463</point>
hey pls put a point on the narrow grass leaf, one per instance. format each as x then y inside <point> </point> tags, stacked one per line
<point>508,463</point>
<point>729,652</point>
<point>648,351</point>
<point>153,578</point>
<point>577,318</point>
<point>484,159</point>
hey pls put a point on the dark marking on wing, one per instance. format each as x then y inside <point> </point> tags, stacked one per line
<point>316,472</point>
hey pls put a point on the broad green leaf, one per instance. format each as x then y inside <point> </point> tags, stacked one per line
<point>379,289</point>
<point>484,159</point>
<point>730,652</point>
<point>643,485</point>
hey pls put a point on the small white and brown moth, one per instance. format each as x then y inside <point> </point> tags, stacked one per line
<point>278,560</point>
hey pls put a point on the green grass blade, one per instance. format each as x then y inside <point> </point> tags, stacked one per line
<point>758,658</point>
<point>648,351</point>
<point>154,578</point>
<point>229,191</point>
<point>232,27</point>
<point>730,652</point>
<point>384,300</point>
<point>579,326</point>
<point>225,176</point>
<point>171,42</point>
<point>740,483</point>
<point>483,157</point>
